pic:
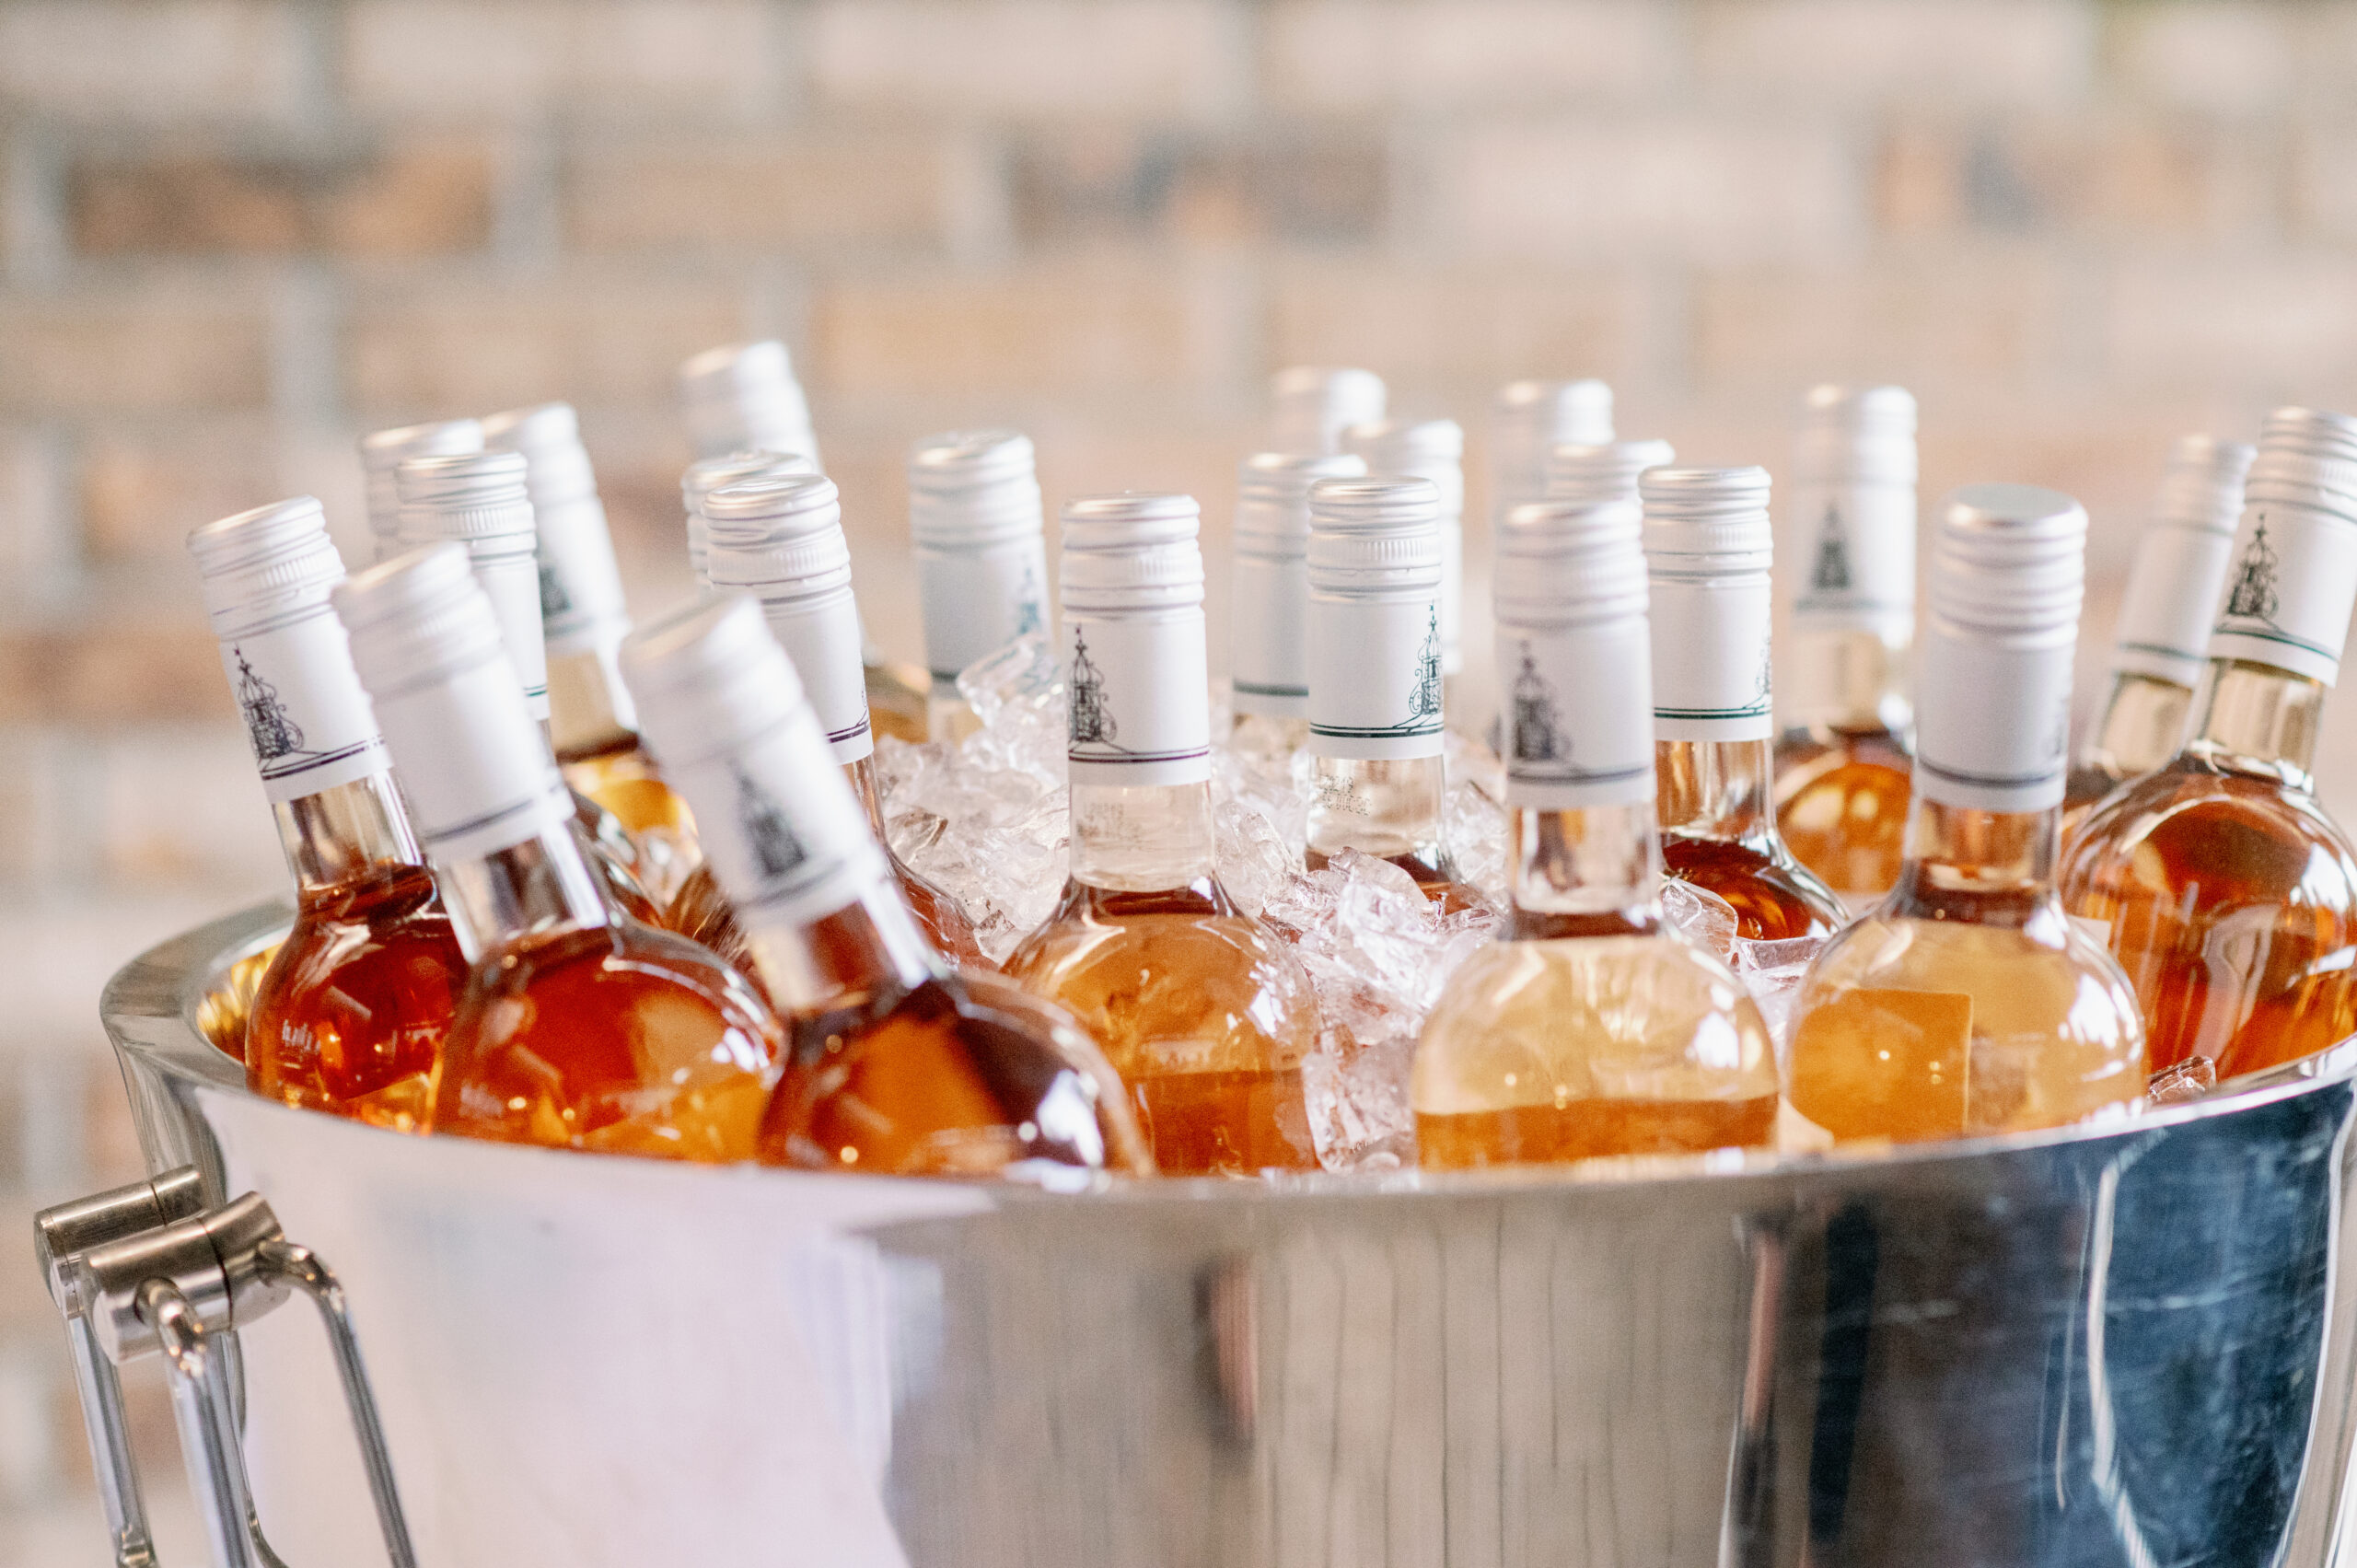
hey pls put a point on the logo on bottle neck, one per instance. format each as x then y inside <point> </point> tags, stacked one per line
<point>554,600</point>
<point>768,834</point>
<point>1027,616</point>
<point>2254,594</point>
<point>1538,733</point>
<point>269,725</point>
<point>1831,572</point>
<point>1424,699</point>
<point>1091,721</point>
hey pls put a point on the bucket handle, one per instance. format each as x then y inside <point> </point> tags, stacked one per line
<point>146,1270</point>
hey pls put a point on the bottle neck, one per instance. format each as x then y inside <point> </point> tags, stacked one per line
<point>532,889</point>
<point>2257,719</point>
<point>872,947</point>
<point>1594,872</point>
<point>340,834</point>
<point>1716,789</point>
<point>2143,725</point>
<point>1849,680</point>
<point>1991,867</point>
<point>1148,839</point>
<point>589,708</point>
<point>1387,810</point>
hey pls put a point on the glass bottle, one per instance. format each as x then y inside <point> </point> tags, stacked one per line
<point>1269,605</point>
<point>707,474</point>
<point>1707,547</point>
<point>480,500</point>
<point>1376,707</point>
<point>1592,1028</point>
<point>353,1007</point>
<point>1311,405</point>
<point>1842,760</point>
<point>1528,420</point>
<point>1433,450</point>
<point>899,1065</point>
<point>2164,618</point>
<point>2228,894</point>
<point>781,539</point>
<point>1966,1002</point>
<point>383,452</point>
<point>583,617</point>
<point>1596,472</point>
<point>1206,1015</point>
<point>579,1027</point>
<point>975,514</point>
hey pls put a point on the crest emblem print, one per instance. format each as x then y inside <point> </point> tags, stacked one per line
<point>1424,698</point>
<point>1830,572</point>
<point>1028,619</point>
<point>554,600</point>
<point>1091,721</point>
<point>2254,592</point>
<point>768,834</point>
<point>1539,735</point>
<point>271,729</point>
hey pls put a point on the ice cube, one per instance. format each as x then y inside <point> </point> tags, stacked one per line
<point>1700,916</point>
<point>2189,1080</point>
<point>1772,972</point>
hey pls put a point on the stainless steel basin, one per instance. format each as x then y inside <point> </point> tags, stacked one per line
<point>2122,1345</point>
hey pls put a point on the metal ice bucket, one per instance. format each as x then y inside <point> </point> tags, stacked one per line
<point>2127,1345</point>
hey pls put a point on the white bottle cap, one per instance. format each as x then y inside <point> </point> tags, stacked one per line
<point>1269,598</point>
<point>1707,548</point>
<point>2293,576</point>
<point>1993,711</point>
<point>473,763</point>
<point>736,735</point>
<point>267,576</point>
<point>1137,681</point>
<point>582,605</point>
<point>1375,642</point>
<point>781,538</point>
<point>1597,472</point>
<point>1850,511</point>
<point>1531,419</point>
<point>979,523</point>
<point>382,451</point>
<point>1574,655</point>
<point>707,474</point>
<point>2181,571</point>
<point>1311,405</point>
<point>479,500</point>
<point>743,397</point>
<point>1433,450</point>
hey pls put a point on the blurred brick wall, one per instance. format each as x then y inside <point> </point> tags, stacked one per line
<point>236,233</point>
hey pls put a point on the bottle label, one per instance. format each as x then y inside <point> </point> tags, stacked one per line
<point>1573,738</point>
<point>1374,678</point>
<point>1268,644</point>
<point>1711,671</point>
<point>478,776</point>
<point>977,601</point>
<point>582,606</point>
<point>779,824</point>
<point>822,635</point>
<point>1853,546</point>
<point>1992,721</point>
<point>305,712</point>
<point>512,582</point>
<point>2172,598</point>
<point>1137,706</point>
<point>2289,586</point>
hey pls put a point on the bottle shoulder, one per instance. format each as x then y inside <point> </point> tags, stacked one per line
<point>2042,963</point>
<point>2233,837</point>
<point>626,964</point>
<point>1774,896</point>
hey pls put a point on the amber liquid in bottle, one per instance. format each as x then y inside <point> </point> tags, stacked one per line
<point>1843,774</point>
<point>1200,1009</point>
<point>2229,896</point>
<point>898,698</point>
<point>1966,1003</point>
<point>1592,1029</point>
<point>1390,811</point>
<point>581,1028</point>
<point>1718,833</point>
<point>352,1011</point>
